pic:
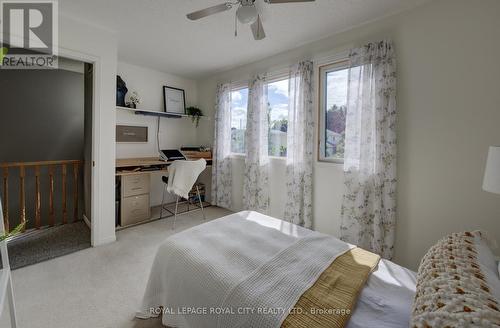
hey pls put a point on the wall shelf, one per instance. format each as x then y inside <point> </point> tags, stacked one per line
<point>156,113</point>
<point>145,112</point>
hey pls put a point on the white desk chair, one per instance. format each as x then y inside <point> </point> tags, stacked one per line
<point>180,181</point>
<point>6,292</point>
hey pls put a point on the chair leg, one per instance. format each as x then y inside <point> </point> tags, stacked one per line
<point>162,201</point>
<point>175,213</point>
<point>201,203</point>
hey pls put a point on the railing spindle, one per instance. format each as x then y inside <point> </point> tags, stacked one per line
<point>64,208</point>
<point>75,192</point>
<point>38,169</point>
<point>6,198</point>
<point>22,195</point>
<point>51,196</point>
<point>38,198</point>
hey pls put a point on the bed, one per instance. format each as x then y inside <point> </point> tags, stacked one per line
<point>251,270</point>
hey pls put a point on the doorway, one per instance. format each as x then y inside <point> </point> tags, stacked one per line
<point>46,159</point>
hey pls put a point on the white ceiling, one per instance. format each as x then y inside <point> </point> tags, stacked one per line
<point>157,34</point>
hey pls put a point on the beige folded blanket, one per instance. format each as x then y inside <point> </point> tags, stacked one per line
<point>330,302</point>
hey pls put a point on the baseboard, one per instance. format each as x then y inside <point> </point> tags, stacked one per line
<point>104,241</point>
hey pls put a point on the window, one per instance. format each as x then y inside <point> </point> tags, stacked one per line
<point>239,103</point>
<point>333,107</point>
<point>277,115</point>
<point>277,96</point>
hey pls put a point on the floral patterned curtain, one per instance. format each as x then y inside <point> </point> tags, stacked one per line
<point>369,203</point>
<point>256,179</point>
<point>300,141</point>
<point>221,163</point>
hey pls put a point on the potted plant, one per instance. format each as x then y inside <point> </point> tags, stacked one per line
<point>195,114</point>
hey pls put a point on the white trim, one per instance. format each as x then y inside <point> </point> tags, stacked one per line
<point>237,156</point>
<point>243,156</point>
<point>96,205</point>
<point>331,57</point>
<point>235,86</point>
<point>106,240</point>
<point>278,158</point>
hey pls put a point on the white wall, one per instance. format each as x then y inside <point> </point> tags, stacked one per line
<point>82,41</point>
<point>449,109</point>
<point>174,133</point>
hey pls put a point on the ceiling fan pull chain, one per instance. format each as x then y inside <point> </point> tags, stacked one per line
<point>235,26</point>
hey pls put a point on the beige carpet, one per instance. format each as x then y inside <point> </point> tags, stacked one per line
<point>97,287</point>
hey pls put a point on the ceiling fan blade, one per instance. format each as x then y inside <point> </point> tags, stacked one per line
<point>258,29</point>
<point>209,11</point>
<point>287,1</point>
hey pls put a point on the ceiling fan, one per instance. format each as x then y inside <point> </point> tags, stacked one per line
<point>245,14</point>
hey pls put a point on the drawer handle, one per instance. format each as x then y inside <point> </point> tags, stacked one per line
<point>137,188</point>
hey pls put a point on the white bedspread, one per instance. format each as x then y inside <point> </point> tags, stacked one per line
<point>245,269</point>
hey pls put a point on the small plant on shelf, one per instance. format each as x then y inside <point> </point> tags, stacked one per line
<point>195,114</point>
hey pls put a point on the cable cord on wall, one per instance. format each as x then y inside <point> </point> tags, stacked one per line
<point>158,135</point>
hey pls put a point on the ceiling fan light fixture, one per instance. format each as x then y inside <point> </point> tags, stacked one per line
<point>247,14</point>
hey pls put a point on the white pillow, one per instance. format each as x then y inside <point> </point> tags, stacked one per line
<point>488,263</point>
<point>485,256</point>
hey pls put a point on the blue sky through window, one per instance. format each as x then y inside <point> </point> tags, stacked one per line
<point>239,102</point>
<point>336,85</point>
<point>277,94</point>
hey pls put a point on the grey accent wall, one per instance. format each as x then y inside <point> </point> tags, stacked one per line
<point>41,115</point>
<point>41,118</point>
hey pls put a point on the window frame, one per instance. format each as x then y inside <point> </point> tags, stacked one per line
<point>245,85</point>
<point>323,70</point>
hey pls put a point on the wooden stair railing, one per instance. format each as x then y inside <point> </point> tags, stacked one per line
<point>36,166</point>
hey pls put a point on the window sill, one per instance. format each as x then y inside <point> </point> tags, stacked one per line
<point>243,156</point>
<point>339,164</point>
<point>237,156</point>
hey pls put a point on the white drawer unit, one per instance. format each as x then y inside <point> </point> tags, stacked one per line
<point>137,184</point>
<point>134,207</point>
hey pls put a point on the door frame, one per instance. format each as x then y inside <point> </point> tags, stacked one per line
<point>95,223</point>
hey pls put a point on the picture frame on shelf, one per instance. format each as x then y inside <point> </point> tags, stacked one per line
<point>174,100</point>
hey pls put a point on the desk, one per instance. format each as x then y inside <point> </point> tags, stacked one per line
<point>131,166</point>
<point>133,177</point>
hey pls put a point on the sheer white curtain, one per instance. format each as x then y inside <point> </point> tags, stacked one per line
<point>369,203</point>
<point>300,140</point>
<point>256,178</point>
<point>221,163</point>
